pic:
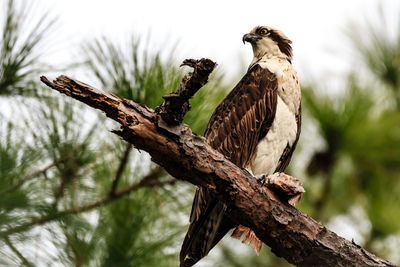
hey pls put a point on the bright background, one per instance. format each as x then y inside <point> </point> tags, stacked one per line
<point>350,124</point>
<point>214,29</point>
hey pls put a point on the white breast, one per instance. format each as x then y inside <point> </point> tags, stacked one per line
<point>288,84</point>
<point>269,150</point>
<point>284,128</point>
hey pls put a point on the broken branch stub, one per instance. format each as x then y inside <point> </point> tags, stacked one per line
<point>176,104</point>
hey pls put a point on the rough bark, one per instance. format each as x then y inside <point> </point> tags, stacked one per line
<point>290,233</point>
<point>176,104</point>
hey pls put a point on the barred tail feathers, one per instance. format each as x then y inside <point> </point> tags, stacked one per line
<point>203,234</point>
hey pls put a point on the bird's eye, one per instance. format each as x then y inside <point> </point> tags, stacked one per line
<point>263,31</point>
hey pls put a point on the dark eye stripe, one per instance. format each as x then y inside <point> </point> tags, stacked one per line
<point>283,43</point>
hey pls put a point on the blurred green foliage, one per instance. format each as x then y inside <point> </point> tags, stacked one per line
<point>20,48</point>
<point>58,161</point>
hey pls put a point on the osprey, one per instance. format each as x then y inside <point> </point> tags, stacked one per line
<point>256,126</point>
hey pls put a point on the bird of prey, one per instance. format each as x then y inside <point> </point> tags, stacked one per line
<point>256,126</point>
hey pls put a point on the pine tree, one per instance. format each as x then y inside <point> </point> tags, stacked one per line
<point>72,193</point>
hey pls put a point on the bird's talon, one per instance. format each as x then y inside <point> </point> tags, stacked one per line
<point>262,180</point>
<point>285,185</point>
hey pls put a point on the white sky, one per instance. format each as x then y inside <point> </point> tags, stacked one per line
<point>211,28</point>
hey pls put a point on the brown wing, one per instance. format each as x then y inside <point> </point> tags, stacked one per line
<point>244,116</point>
<point>234,129</point>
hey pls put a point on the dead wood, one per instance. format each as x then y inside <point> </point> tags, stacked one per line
<point>290,233</point>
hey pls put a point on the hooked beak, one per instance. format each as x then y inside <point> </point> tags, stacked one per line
<point>251,38</point>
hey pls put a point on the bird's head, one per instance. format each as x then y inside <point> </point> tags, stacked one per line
<point>269,42</point>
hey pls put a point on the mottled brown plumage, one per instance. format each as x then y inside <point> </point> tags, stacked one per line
<point>256,126</point>
<point>244,116</point>
<point>232,128</point>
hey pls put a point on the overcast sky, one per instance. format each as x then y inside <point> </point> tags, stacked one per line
<point>214,29</point>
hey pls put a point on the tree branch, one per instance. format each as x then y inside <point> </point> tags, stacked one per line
<point>34,175</point>
<point>149,180</point>
<point>177,103</point>
<point>121,168</point>
<point>290,233</point>
<point>28,178</point>
<point>17,252</point>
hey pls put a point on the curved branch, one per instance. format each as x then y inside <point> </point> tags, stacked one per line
<point>17,252</point>
<point>150,180</point>
<point>28,178</point>
<point>290,233</point>
<point>121,168</point>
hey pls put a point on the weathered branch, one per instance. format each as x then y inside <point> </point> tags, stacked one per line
<point>289,232</point>
<point>177,103</point>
